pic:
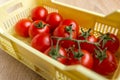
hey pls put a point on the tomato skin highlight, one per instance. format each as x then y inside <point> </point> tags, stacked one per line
<point>22,27</point>
<point>107,66</point>
<point>34,30</point>
<point>41,42</point>
<point>39,13</point>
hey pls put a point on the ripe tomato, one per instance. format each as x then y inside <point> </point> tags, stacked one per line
<point>64,31</point>
<point>53,19</point>
<point>38,27</point>
<point>39,13</point>
<point>41,42</point>
<point>107,66</point>
<point>88,46</point>
<point>110,41</point>
<point>86,60</point>
<point>22,26</point>
<point>60,56</point>
<point>71,22</point>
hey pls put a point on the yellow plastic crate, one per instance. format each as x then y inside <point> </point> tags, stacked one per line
<point>45,66</point>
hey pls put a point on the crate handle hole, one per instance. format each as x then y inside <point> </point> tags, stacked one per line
<point>37,68</point>
<point>14,7</point>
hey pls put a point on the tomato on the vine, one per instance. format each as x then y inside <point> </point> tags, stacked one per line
<point>22,27</point>
<point>53,19</point>
<point>38,27</point>
<point>110,41</point>
<point>39,13</point>
<point>59,55</point>
<point>72,22</point>
<point>108,64</point>
<point>84,58</point>
<point>89,45</point>
<point>41,42</point>
<point>65,31</point>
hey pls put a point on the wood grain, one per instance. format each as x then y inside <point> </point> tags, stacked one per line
<point>11,69</point>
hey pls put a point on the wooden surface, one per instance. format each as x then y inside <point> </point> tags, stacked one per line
<point>10,69</point>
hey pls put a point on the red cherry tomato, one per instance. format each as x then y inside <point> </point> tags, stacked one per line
<point>53,19</point>
<point>64,31</point>
<point>107,66</point>
<point>88,46</point>
<point>111,45</point>
<point>22,27</point>
<point>71,22</point>
<point>86,60</point>
<point>39,13</point>
<point>41,42</point>
<point>38,27</point>
<point>60,56</point>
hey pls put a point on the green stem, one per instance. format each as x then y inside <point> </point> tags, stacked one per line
<point>57,46</point>
<point>80,54</point>
<point>69,30</point>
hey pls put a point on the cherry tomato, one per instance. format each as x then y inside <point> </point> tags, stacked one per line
<point>86,60</point>
<point>39,13</point>
<point>53,19</point>
<point>60,56</point>
<point>64,31</point>
<point>38,27</point>
<point>88,46</point>
<point>111,42</point>
<point>41,42</point>
<point>107,66</point>
<point>71,22</point>
<point>22,26</point>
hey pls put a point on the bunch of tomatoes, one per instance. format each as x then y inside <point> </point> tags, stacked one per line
<point>64,40</point>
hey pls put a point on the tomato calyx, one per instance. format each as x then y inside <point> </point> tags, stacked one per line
<point>104,38</point>
<point>101,54</point>
<point>85,34</point>
<point>54,52</point>
<point>40,25</point>
<point>77,54</point>
<point>69,30</point>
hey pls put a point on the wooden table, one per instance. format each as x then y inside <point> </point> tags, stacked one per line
<point>10,69</point>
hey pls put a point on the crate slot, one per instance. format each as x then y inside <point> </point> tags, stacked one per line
<point>42,72</point>
<point>61,76</point>
<point>25,61</point>
<point>37,69</point>
<point>104,28</point>
<point>7,46</point>
<point>23,14</point>
<point>9,23</point>
<point>14,7</point>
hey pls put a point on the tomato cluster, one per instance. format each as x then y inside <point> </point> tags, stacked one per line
<point>65,41</point>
